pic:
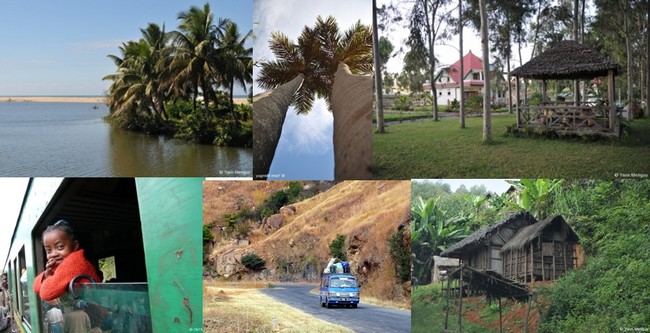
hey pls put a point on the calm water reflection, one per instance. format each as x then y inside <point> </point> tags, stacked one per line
<point>71,139</point>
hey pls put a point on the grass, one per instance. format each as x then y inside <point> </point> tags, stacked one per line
<point>403,115</point>
<point>443,150</point>
<point>230,309</point>
<point>428,311</point>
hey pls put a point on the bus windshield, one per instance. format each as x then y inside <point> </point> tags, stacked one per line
<point>343,283</point>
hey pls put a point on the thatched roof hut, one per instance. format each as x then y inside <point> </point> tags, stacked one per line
<point>530,233</point>
<point>478,239</point>
<point>573,61</point>
<point>567,60</point>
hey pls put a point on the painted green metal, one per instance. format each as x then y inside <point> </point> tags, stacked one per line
<point>171,211</point>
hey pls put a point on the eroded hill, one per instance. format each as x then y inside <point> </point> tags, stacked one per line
<point>294,242</point>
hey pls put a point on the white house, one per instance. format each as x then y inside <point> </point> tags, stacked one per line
<point>447,80</point>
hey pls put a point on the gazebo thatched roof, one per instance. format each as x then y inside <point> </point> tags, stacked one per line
<point>529,233</point>
<point>567,60</point>
<point>475,239</point>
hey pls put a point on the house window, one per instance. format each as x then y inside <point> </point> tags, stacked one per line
<point>440,93</point>
<point>476,76</point>
<point>449,93</point>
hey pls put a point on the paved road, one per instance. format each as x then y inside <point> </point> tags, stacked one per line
<point>364,319</point>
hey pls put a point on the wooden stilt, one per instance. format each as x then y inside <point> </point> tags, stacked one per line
<point>532,264</point>
<point>564,255</point>
<point>448,292</point>
<point>500,320</point>
<point>460,304</point>
<point>554,274</point>
<point>527,315</point>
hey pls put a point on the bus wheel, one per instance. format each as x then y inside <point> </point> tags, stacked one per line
<point>327,303</point>
<point>320,300</point>
<point>354,306</point>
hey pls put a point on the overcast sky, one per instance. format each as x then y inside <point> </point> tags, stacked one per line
<point>446,54</point>
<point>12,192</point>
<point>497,186</point>
<point>305,150</point>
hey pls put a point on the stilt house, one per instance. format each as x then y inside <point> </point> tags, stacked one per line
<point>482,249</point>
<point>542,251</point>
<point>520,248</point>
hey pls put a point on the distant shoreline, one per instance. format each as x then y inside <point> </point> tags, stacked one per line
<point>76,99</point>
<point>52,99</point>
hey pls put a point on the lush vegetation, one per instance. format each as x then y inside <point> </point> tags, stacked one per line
<point>168,82</point>
<point>252,261</point>
<point>401,255</point>
<point>442,150</point>
<point>337,248</point>
<point>611,219</point>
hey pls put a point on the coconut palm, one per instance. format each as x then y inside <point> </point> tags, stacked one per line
<point>136,86</point>
<point>305,70</point>
<point>196,57</point>
<point>236,62</point>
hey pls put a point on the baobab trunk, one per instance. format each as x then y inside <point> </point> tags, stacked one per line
<point>352,112</point>
<point>269,111</point>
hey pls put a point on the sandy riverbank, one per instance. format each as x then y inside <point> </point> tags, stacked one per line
<point>50,99</point>
<point>62,99</point>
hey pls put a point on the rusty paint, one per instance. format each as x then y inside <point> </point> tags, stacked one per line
<point>179,253</point>
<point>186,302</point>
<point>176,320</point>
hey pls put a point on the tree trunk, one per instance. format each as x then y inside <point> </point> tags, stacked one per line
<point>509,88</point>
<point>462,69</point>
<point>269,111</point>
<point>232,103</point>
<point>432,57</point>
<point>628,51</point>
<point>521,63</point>
<point>646,112</point>
<point>487,123</point>
<point>576,83</point>
<point>378,79</point>
<point>352,111</point>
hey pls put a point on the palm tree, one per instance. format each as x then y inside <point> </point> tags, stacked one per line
<point>236,62</point>
<point>196,57</point>
<point>136,86</point>
<point>310,65</point>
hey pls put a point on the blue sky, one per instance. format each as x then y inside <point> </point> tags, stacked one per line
<point>60,47</point>
<point>305,150</point>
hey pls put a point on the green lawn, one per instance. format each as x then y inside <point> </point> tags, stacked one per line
<point>443,150</point>
<point>403,115</point>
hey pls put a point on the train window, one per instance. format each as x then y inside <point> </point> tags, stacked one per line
<point>23,289</point>
<point>105,218</point>
<point>112,307</point>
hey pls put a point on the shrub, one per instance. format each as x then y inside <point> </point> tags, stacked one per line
<point>252,261</point>
<point>207,234</point>
<point>401,256</point>
<point>337,247</point>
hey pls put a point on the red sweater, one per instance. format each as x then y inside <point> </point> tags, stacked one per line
<point>57,284</point>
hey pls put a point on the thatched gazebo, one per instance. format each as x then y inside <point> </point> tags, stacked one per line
<point>569,60</point>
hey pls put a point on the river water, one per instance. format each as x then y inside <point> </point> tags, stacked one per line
<point>71,139</point>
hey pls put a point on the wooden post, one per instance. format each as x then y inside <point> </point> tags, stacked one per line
<point>544,99</point>
<point>532,264</point>
<point>460,303</point>
<point>526,259</point>
<point>610,96</point>
<point>448,291</point>
<point>527,314</point>
<point>517,101</point>
<point>500,320</point>
<point>564,255</point>
<point>554,274</point>
<point>543,270</point>
<point>516,265</point>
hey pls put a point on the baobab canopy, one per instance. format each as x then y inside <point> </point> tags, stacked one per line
<point>567,60</point>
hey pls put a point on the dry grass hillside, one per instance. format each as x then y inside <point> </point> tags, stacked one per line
<point>297,247</point>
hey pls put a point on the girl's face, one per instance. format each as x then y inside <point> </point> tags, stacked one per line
<point>58,245</point>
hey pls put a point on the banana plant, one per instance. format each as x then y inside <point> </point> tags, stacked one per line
<point>433,231</point>
<point>534,195</point>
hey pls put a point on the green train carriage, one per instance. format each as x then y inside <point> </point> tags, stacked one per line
<point>145,233</point>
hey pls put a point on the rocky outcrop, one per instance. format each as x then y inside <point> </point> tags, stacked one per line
<point>272,223</point>
<point>228,263</point>
<point>288,210</point>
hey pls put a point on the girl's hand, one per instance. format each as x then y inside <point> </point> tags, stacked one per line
<point>50,267</point>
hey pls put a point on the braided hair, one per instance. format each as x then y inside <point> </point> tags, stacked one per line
<point>64,226</point>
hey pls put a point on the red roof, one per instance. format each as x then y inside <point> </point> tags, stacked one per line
<point>470,62</point>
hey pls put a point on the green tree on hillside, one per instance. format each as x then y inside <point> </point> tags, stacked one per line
<point>337,248</point>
